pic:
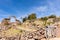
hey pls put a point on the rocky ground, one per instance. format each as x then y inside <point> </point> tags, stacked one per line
<point>29,30</point>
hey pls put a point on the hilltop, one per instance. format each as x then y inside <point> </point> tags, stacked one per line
<point>29,24</point>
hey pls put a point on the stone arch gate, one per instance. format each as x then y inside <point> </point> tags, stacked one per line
<point>13,17</point>
<point>8,19</point>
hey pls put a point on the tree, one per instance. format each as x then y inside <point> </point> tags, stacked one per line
<point>24,19</point>
<point>32,16</point>
<point>52,16</point>
<point>45,20</point>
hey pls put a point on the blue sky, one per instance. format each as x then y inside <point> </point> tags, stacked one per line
<point>22,8</point>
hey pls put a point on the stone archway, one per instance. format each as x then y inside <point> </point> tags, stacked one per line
<point>12,17</point>
<point>15,19</point>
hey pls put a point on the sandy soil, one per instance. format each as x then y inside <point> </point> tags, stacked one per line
<point>58,32</point>
<point>54,39</point>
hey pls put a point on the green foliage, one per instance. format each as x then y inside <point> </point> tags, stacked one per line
<point>50,23</point>
<point>24,19</point>
<point>21,31</point>
<point>44,18</point>
<point>52,16</point>
<point>32,16</point>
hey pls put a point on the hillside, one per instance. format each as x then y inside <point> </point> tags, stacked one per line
<point>12,29</point>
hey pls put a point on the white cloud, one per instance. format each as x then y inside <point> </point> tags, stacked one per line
<point>54,7</point>
<point>41,8</point>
